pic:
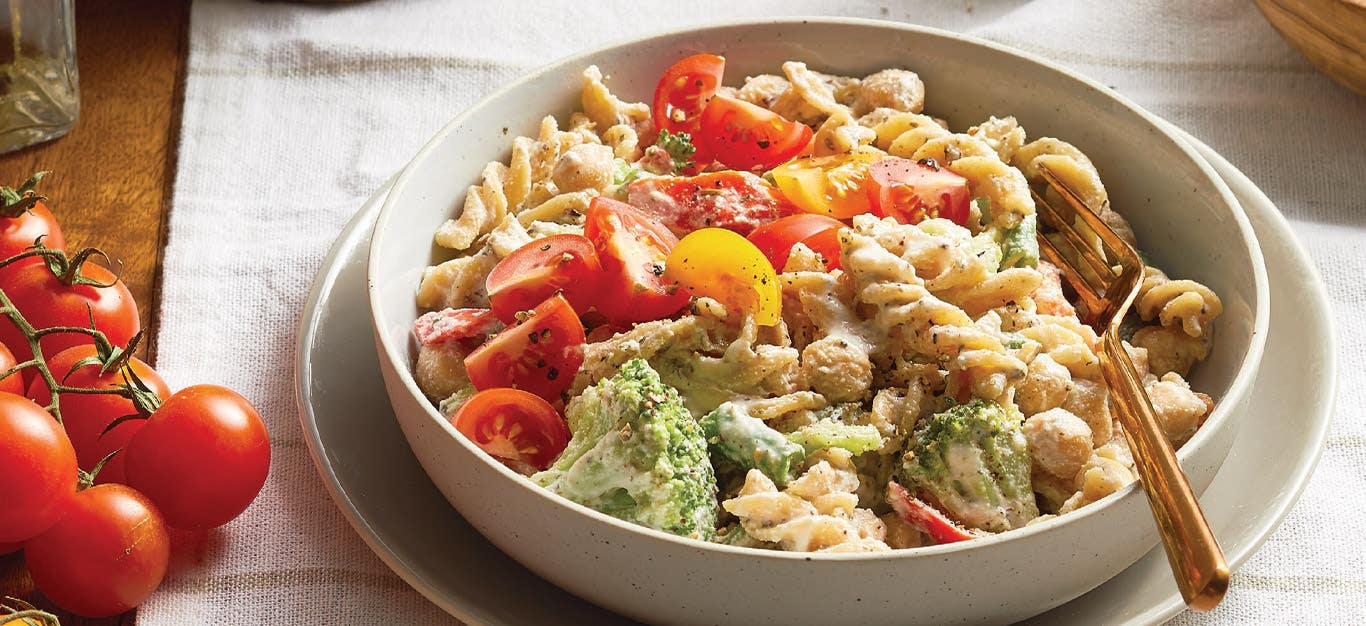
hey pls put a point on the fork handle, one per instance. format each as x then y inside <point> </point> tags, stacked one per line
<point>1192,551</point>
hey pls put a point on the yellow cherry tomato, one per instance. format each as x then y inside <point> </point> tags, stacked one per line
<point>834,185</point>
<point>722,265</point>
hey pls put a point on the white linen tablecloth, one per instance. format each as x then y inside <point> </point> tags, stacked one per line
<point>294,114</point>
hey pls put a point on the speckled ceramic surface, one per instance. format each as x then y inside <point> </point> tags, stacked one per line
<point>408,523</point>
<point>1186,217</point>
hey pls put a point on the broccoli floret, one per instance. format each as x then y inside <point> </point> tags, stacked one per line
<point>1020,244</point>
<point>680,148</point>
<point>973,460</point>
<point>832,433</point>
<point>749,443</point>
<point>636,454</point>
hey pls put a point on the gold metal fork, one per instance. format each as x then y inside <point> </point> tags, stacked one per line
<point>1107,287</point>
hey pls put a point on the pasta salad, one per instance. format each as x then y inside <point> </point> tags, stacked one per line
<point>797,314</point>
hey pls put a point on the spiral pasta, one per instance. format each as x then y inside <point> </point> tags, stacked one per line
<point>1183,304</point>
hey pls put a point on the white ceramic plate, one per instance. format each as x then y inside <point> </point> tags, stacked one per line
<point>347,421</point>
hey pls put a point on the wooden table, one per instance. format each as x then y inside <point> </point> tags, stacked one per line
<point>111,176</point>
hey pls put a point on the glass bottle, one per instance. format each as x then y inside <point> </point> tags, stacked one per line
<point>39,97</point>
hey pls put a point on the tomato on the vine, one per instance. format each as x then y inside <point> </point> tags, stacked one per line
<point>86,415</point>
<point>632,247</point>
<point>37,468</point>
<point>748,137</point>
<point>47,302</point>
<point>565,264</point>
<point>818,232</point>
<point>513,426</point>
<point>14,383</point>
<point>24,219</point>
<point>540,355</point>
<point>201,457</point>
<point>684,91</point>
<point>106,555</point>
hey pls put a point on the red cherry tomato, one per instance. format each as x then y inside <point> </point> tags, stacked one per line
<point>738,201</point>
<point>565,264</point>
<point>106,555</point>
<point>924,517</point>
<point>46,302</point>
<point>19,228</point>
<point>540,355</point>
<point>684,90</point>
<point>86,415</point>
<point>818,232</point>
<point>513,425</point>
<point>202,457</point>
<point>14,383</point>
<point>10,548</point>
<point>745,136</point>
<point>912,192</point>
<point>37,468</point>
<point>633,247</point>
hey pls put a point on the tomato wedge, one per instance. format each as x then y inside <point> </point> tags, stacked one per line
<point>834,185</point>
<point>745,136</point>
<point>720,264</point>
<point>540,355</point>
<point>513,426</point>
<point>738,201</point>
<point>912,192</point>
<point>818,232</point>
<point>565,264</point>
<point>632,247</point>
<point>684,91</point>
<point>924,517</point>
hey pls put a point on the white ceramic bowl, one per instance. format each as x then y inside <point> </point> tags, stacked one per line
<point>1183,214</point>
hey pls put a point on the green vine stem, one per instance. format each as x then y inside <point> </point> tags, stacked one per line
<point>26,612</point>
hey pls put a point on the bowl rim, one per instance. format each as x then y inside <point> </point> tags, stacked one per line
<point>1238,388</point>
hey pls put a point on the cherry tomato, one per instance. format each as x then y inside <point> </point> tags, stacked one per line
<point>23,222</point>
<point>10,548</point>
<point>912,192</point>
<point>86,415</point>
<point>924,517</point>
<point>511,424</point>
<point>684,91</point>
<point>14,383</point>
<point>37,468</point>
<point>832,185</point>
<point>565,264</point>
<point>540,355</point>
<point>106,555</point>
<point>738,201</point>
<point>748,137</point>
<point>202,457</point>
<point>632,247</point>
<point>467,327</point>
<point>722,265</point>
<point>46,302</point>
<point>818,232</point>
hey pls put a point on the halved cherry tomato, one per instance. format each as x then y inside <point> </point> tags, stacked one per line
<point>632,247</point>
<point>85,416</point>
<point>448,325</point>
<point>720,264</point>
<point>912,192</point>
<point>745,136</point>
<point>513,425</point>
<point>924,517</point>
<point>834,185</point>
<point>540,355</point>
<point>684,91</point>
<point>738,201</point>
<point>818,232</point>
<point>564,264</point>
